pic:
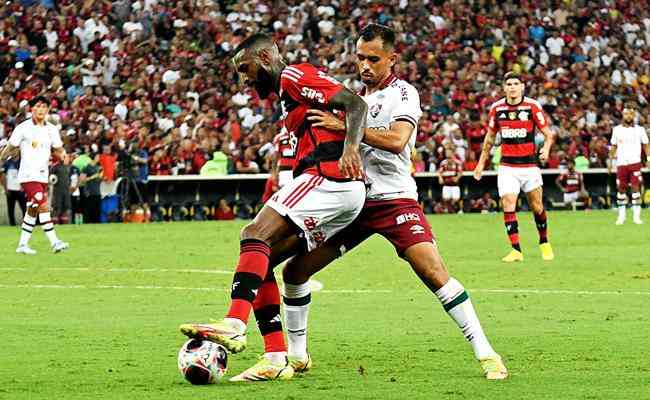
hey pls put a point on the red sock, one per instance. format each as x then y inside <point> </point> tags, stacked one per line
<point>540,221</point>
<point>512,229</point>
<point>252,267</point>
<point>267,313</point>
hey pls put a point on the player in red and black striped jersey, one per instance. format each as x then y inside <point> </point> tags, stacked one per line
<point>326,194</point>
<point>516,118</point>
<point>449,174</point>
<point>572,185</point>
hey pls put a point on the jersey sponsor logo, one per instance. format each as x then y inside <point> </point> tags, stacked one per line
<point>510,133</point>
<point>375,109</point>
<point>407,217</point>
<point>417,229</point>
<point>313,94</point>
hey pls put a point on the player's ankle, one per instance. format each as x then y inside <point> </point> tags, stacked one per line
<point>236,324</point>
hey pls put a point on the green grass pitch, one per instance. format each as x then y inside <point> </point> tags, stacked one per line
<point>100,321</point>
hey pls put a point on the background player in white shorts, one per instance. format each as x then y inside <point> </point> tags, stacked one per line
<point>627,140</point>
<point>36,138</point>
<point>516,119</point>
<point>449,174</point>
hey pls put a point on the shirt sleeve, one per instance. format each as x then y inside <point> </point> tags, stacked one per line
<point>613,140</point>
<point>539,117</point>
<point>407,107</point>
<point>56,138</point>
<point>16,137</point>
<point>492,119</point>
<point>308,85</point>
<point>644,135</point>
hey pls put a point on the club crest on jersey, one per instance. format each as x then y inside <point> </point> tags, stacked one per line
<point>523,116</point>
<point>375,109</point>
<point>512,115</point>
<point>34,144</point>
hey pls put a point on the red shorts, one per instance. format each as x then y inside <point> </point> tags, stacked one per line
<point>35,192</point>
<point>627,175</point>
<point>401,221</point>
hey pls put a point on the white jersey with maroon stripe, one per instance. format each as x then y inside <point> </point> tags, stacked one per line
<point>36,143</point>
<point>628,141</point>
<point>389,174</point>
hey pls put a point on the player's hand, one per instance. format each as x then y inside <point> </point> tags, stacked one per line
<point>478,172</point>
<point>543,155</point>
<point>350,162</point>
<point>325,119</point>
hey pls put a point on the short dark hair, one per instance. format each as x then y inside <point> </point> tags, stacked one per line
<point>255,42</point>
<point>372,31</point>
<point>512,75</point>
<point>39,99</point>
<point>630,104</point>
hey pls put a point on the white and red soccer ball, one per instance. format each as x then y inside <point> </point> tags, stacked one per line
<point>202,362</point>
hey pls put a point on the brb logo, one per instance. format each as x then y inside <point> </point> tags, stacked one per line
<point>509,133</point>
<point>407,217</point>
<point>312,94</point>
<point>310,223</point>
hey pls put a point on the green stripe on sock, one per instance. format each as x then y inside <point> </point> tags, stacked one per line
<point>461,298</point>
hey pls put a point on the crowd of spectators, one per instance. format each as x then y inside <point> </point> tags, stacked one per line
<point>154,74</point>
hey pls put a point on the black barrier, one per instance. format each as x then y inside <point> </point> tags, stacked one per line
<point>248,188</point>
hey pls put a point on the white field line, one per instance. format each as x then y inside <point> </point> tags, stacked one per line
<point>335,291</point>
<point>128,270</point>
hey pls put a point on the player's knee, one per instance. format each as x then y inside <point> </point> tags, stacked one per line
<point>250,231</point>
<point>293,274</point>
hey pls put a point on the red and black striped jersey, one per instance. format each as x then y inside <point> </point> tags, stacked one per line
<point>571,181</point>
<point>285,149</point>
<point>516,125</point>
<point>303,86</point>
<point>449,170</point>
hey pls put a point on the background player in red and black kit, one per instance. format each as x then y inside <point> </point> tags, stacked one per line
<point>516,119</point>
<point>572,185</point>
<point>449,174</point>
<point>325,196</point>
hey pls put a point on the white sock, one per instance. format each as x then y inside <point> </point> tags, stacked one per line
<point>621,199</point>
<point>296,301</point>
<point>636,205</point>
<point>457,304</point>
<point>48,227</point>
<point>29,223</point>
<point>277,357</point>
<point>236,324</point>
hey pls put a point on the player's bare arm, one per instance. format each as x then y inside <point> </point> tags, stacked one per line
<point>393,139</point>
<point>356,111</point>
<point>612,154</point>
<point>646,148</point>
<point>8,151</point>
<point>549,139</point>
<point>488,142</point>
<point>558,183</point>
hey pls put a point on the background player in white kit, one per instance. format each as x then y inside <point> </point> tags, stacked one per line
<point>36,137</point>
<point>627,139</point>
<point>391,207</point>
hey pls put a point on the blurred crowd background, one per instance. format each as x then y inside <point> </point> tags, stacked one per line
<point>151,78</point>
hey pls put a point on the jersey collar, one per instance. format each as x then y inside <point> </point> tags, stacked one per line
<point>388,81</point>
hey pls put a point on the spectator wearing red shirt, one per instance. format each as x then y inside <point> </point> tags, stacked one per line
<point>224,211</point>
<point>108,163</point>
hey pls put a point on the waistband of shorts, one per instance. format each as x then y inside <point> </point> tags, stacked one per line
<point>518,165</point>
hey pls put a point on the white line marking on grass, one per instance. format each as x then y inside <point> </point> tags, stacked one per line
<point>562,291</point>
<point>154,270</point>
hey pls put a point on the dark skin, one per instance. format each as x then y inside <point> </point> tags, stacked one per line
<point>374,63</point>
<point>260,67</point>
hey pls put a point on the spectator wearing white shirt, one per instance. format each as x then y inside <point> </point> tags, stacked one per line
<point>121,109</point>
<point>554,44</point>
<point>51,37</point>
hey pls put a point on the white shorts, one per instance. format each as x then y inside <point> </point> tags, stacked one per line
<point>451,193</point>
<point>511,180</point>
<point>319,207</point>
<point>284,177</point>
<point>571,197</point>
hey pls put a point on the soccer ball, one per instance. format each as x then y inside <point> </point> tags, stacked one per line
<point>202,362</point>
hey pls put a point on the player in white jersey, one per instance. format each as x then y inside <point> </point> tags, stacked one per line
<point>35,138</point>
<point>627,140</point>
<point>391,207</point>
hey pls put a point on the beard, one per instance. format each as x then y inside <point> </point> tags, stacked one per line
<point>263,83</point>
